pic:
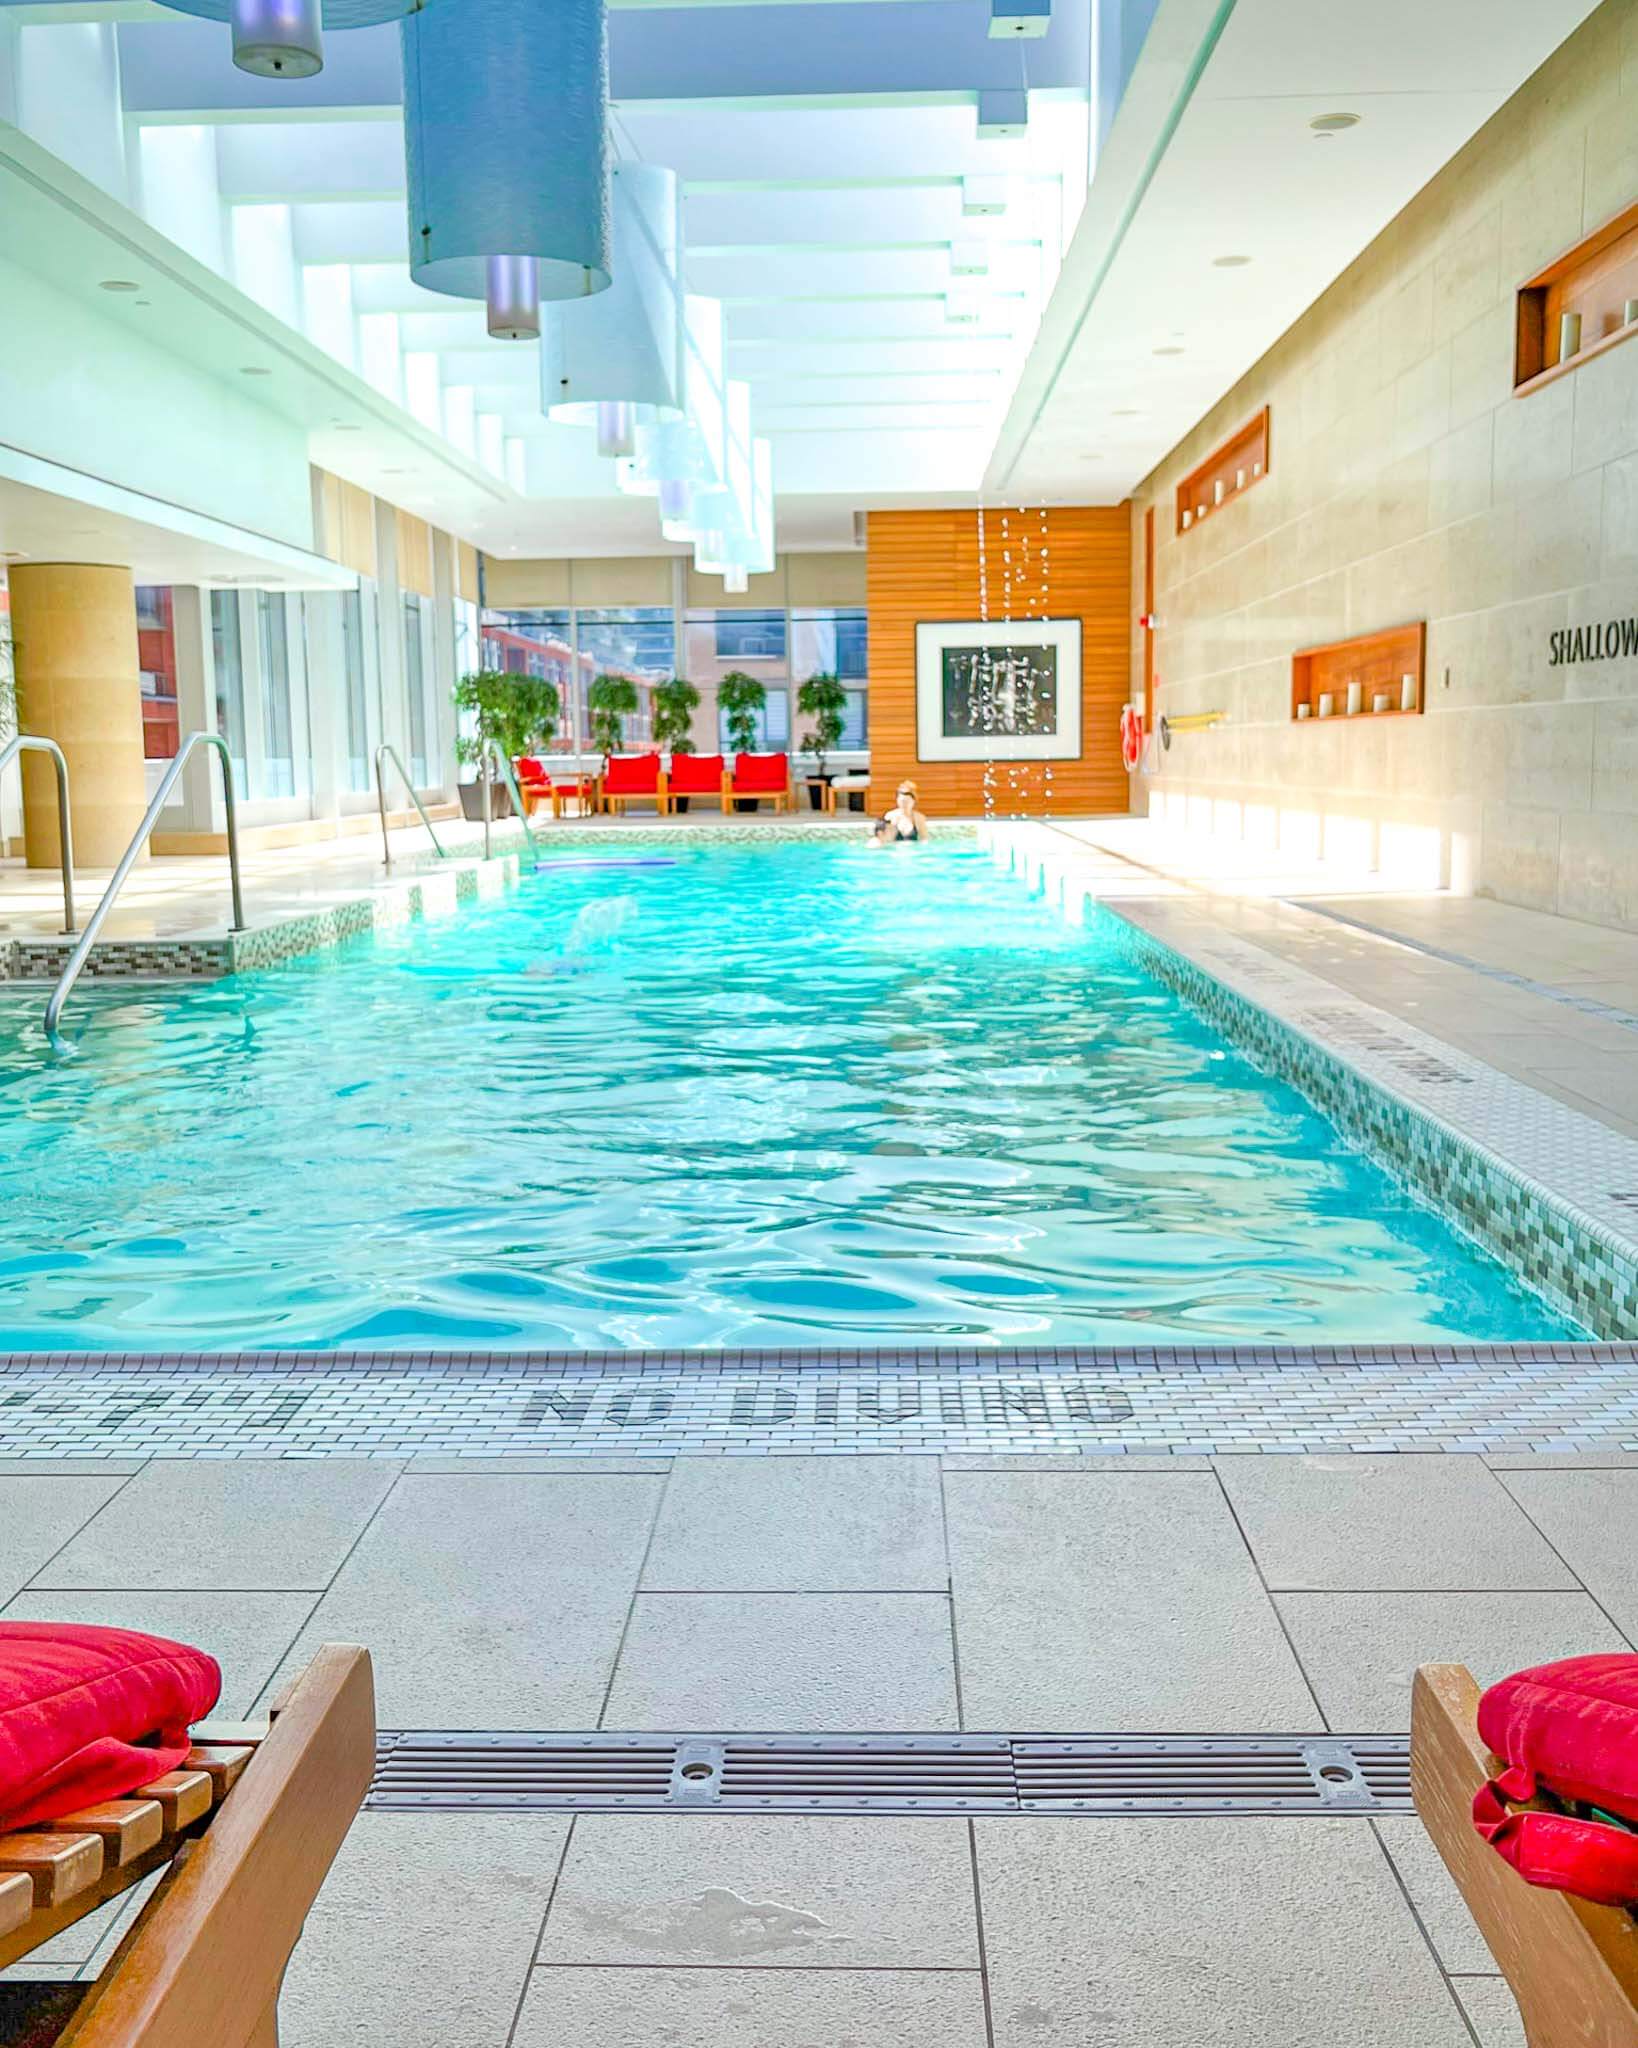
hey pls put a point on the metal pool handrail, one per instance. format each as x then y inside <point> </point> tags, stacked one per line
<point>127,861</point>
<point>34,743</point>
<point>387,751</point>
<point>493,747</point>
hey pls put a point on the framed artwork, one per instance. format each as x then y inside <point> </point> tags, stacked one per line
<point>1007,691</point>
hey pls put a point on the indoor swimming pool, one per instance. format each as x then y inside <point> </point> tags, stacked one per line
<point>738,1095</point>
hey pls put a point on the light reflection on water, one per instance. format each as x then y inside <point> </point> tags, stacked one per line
<point>769,1095</point>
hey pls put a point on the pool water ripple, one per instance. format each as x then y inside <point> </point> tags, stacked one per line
<point>757,1096</point>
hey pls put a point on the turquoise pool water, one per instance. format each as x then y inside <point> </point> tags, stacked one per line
<point>765,1095</point>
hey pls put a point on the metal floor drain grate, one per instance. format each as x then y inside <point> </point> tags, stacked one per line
<point>462,1771</point>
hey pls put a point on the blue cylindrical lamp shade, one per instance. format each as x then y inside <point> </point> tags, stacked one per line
<point>506,146</point>
<point>627,347</point>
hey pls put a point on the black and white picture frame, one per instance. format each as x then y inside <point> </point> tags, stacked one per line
<point>998,691</point>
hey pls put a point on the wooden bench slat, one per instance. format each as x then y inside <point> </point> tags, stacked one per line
<point>205,1733</point>
<point>127,1826</point>
<point>16,1902</point>
<point>57,1865</point>
<point>184,1796</point>
<point>221,1764</point>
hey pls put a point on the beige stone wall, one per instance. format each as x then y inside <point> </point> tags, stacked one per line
<point>1406,482</point>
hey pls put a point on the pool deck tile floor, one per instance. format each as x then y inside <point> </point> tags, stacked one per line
<point>1228,1596</point>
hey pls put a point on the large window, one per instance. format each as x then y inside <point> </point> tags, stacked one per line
<point>636,641</point>
<point>228,653</point>
<point>831,640</point>
<point>541,643</point>
<point>156,656</point>
<point>415,690</point>
<point>357,675</point>
<point>779,648</point>
<point>284,752</point>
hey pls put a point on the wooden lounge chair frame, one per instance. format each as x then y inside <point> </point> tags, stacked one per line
<point>1572,1966</point>
<point>249,1827</point>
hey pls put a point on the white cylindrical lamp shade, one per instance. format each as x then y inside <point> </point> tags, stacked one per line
<point>627,345</point>
<point>506,144</point>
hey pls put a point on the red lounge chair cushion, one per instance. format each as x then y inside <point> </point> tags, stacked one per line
<point>697,774</point>
<point>1571,1729</point>
<point>92,1713</point>
<point>531,772</point>
<point>762,774</point>
<point>631,775</point>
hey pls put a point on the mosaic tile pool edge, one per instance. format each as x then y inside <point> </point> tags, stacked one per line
<point>1570,1259</point>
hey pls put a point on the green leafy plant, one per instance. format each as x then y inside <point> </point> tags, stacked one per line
<point>610,699</point>
<point>519,713</point>
<point>823,699</point>
<point>740,699</point>
<point>674,705</point>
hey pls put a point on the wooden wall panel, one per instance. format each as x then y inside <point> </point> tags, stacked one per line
<point>414,555</point>
<point>924,566</point>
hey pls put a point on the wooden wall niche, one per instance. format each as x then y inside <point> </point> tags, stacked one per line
<point>1378,662</point>
<point>1225,475</point>
<point>1598,279</point>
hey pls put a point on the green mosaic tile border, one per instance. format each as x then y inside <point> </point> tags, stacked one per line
<point>1568,1258</point>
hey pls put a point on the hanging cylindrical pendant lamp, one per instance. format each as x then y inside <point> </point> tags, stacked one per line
<point>619,361</point>
<point>506,149</point>
<point>285,38</point>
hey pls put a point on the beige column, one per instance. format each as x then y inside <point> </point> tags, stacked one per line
<point>78,682</point>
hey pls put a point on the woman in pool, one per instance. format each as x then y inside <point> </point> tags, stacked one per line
<point>903,824</point>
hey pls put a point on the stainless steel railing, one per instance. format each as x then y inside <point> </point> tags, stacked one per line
<point>33,743</point>
<point>388,752</point>
<point>494,749</point>
<point>127,861</point>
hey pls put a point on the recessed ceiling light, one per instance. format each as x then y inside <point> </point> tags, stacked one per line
<point>253,370</point>
<point>1333,124</point>
<point>142,302</point>
<point>1127,412</point>
<point>15,555</point>
<point>347,427</point>
<point>119,284</point>
<point>1230,262</point>
<point>1173,349</point>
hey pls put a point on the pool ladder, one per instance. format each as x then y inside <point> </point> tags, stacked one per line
<point>128,860</point>
<point>491,749</point>
<point>33,743</point>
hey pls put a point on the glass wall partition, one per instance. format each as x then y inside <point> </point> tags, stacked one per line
<point>731,641</point>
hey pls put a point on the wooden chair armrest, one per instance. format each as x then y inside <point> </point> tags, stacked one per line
<point>205,1960</point>
<point>1573,1966</point>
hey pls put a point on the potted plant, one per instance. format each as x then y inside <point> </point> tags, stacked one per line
<point>741,699</point>
<point>609,700</point>
<point>824,700</point>
<point>674,704</point>
<point>518,713</point>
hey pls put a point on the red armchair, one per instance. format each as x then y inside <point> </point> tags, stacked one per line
<point>703,775</point>
<point>759,775</point>
<point>628,775</point>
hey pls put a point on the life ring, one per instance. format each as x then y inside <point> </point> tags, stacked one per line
<point>1131,736</point>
